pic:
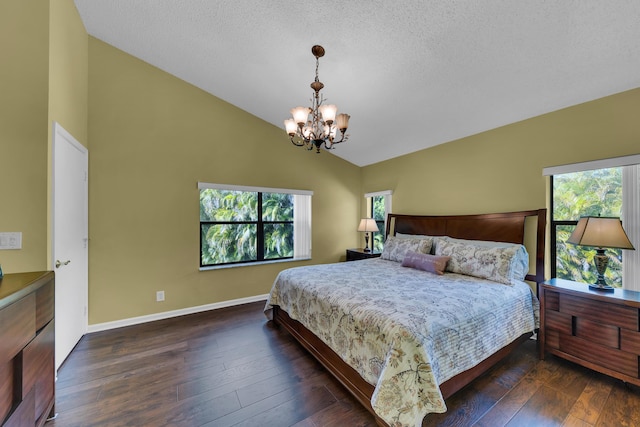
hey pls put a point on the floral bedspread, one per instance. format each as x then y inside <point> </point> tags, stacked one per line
<point>404,330</point>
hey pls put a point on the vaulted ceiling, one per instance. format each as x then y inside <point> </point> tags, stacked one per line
<point>412,74</point>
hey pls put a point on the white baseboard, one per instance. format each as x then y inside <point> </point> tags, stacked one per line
<point>175,313</point>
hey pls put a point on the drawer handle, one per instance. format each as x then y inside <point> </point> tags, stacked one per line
<point>59,264</point>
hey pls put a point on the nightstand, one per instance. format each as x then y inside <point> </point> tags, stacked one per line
<point>595,329</point>
<point>359,253</point>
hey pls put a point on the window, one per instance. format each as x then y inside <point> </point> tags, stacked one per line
<point>240,225</point>
<point>379,205</point>
<point>589,193</point>
<point>606,188</point>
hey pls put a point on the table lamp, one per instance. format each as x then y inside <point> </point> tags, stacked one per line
<point>600,232</point>
<point>367,225</point>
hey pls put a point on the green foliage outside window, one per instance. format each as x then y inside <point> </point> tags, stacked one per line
<point>588,193</point>
<point>232,223</point>
<point>378,213</point>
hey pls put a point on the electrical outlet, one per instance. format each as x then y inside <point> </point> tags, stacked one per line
<point>160,296</point>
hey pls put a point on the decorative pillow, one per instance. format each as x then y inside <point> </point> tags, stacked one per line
<point>425,262</point>
<point>500,264</point>
<point>483,243</point>
<point>396,248</point>
<point>412,236</point>
<point>433,239</point>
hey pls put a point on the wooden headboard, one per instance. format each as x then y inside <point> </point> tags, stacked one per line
<point>498,227</point>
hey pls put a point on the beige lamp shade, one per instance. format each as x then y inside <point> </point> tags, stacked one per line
<point>601,232</point>
<point>300,114</point>
<point>368,224</point>
<point>328,112</point>
<point>342,121</point>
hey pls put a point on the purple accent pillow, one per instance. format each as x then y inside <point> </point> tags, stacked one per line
<point>425,262</point>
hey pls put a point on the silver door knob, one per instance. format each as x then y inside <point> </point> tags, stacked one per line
<point>59,264</point>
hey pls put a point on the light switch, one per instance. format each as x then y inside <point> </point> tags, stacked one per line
<point>11,240</point>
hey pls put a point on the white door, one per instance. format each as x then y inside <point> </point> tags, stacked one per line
<point>70,240</point>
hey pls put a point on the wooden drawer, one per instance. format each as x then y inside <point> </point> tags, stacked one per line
<point>599,333</point>
<point>24,415</point>
<point>18,327</point>
<point>558,321</point>
<point>552,339</point>
<point>552,300</point>
<point>6,388</point>
<point>45,305</point>
<point>630,341</point>
<point>617,360</point>
<point>599,311</point>
<point>38,368</point>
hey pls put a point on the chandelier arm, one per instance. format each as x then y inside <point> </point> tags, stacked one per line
<point>294,142</point>
<point>343,137</point>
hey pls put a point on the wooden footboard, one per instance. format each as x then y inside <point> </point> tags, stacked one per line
<point>356,385</point>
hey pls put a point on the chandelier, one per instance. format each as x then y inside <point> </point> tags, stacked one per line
<point>318,125</point>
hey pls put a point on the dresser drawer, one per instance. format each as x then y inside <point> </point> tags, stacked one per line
<point>630,341</point>
<point>599,333</point>
<point>6,388</point>
<point>552,339</point>
<point>38,368</point>
<point>559,321</point>
<point>24,414</point>
<point>18,326</point>
<point>599,311</point>
<point>617,360</point>
<point>45,305</point>
<point>552,300</point>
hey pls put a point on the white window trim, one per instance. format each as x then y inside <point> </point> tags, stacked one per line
<point>205,185</point>
<point>631,216</point>
<point>613,162</point>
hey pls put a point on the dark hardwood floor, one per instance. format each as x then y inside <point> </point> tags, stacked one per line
<point>230,367</point>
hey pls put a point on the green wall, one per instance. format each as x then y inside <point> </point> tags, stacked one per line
<point>24,59</point>
<point>501,169</point>
<point>153,137</point>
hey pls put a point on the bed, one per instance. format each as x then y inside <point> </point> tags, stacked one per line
<point>405,331</point>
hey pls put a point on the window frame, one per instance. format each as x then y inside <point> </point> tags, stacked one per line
<point>382,224</point>
<point>631,267</point>
<point>553,224</point>
<point>302,219</point>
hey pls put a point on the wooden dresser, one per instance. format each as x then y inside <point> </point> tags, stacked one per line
<point>27,348</point>
<point>598,330</point>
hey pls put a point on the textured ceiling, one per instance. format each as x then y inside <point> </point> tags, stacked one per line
<point>412,74</point>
